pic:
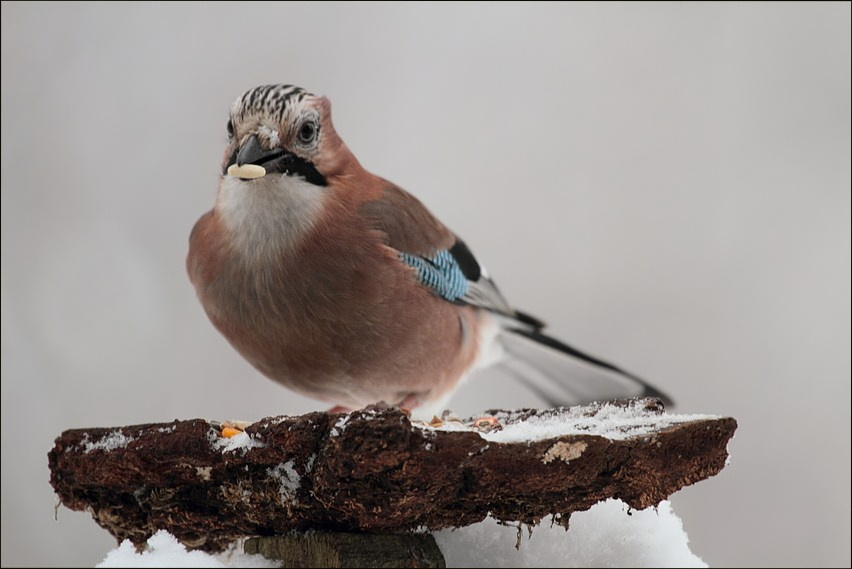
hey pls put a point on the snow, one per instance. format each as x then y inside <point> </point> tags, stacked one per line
<point>607,535</point>
<point>339,426</point>
<point>108,442</point>
<point>288,478</point>
<point>241,441</point>
<point>164,550</point>
<point>604,536</point>
<point>614,422</point>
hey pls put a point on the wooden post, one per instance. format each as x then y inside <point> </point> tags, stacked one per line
<point>337,549</point>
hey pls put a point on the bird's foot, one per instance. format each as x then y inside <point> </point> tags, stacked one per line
<point>384,406</point>
<point>406,405</point>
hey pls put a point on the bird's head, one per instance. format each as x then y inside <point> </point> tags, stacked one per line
<point>282,130</point>
<point>284,167</point>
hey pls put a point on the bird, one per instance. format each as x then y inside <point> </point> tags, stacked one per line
<point>345,288</point>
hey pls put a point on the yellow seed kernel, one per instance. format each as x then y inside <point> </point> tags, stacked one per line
<point>229,432</point>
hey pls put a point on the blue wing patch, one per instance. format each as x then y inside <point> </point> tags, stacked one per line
<point>440,273</point>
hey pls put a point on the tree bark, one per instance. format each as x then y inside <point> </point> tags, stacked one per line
<point>371,471</point>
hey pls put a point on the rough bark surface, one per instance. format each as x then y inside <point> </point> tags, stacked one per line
<point>367,471</point>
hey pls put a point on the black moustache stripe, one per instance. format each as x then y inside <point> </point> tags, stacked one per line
<point>292,165</point>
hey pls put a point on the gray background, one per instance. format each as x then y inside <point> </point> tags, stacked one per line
<point>667,185</point>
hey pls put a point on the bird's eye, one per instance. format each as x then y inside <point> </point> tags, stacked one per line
<point>307,132</point>
<point>230,129</point>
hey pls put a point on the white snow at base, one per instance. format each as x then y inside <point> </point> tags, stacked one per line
<point>164,550</point>
<point>603,536</point>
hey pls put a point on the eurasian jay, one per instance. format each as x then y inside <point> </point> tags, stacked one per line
<point>343,287</point>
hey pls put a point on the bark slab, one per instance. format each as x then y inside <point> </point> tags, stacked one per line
<point>371,471</point>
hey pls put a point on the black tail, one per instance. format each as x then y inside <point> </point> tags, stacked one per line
<point>563,375</point>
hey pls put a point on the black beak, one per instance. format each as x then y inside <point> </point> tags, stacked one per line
<point>252,152</point>
<point>276,160</point>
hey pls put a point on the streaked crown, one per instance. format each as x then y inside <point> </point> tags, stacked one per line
<point>268,100</point>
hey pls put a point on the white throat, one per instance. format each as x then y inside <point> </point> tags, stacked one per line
<point>268,216</point>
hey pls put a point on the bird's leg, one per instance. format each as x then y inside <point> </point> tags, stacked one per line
<point>406,405</point>
<point>409,403</point>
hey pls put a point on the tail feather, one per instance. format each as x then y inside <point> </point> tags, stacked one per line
<point>563,375</point>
